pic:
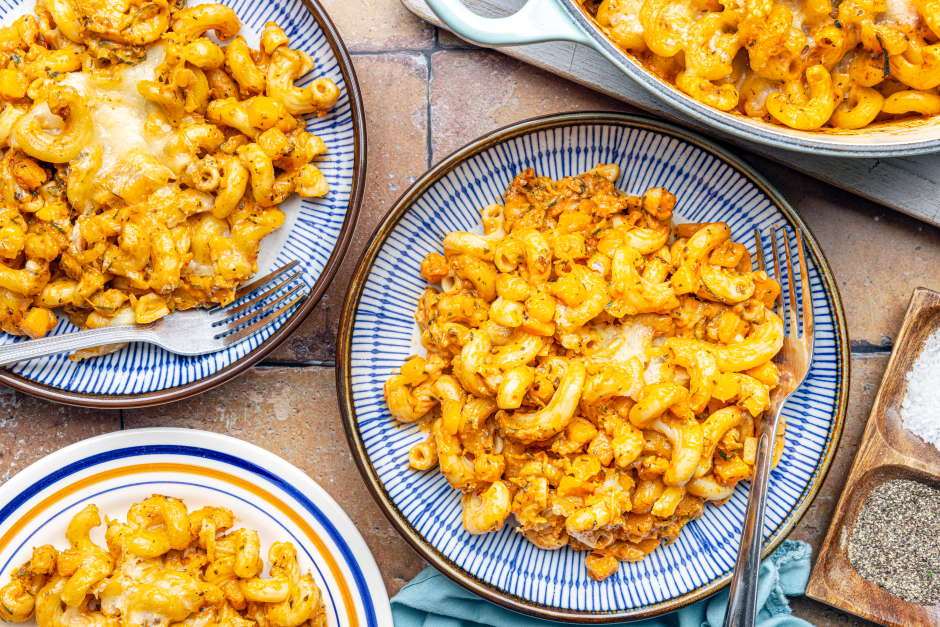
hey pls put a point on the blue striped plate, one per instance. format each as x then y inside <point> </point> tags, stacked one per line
<point>378,332</point>
<point>316,234</point>
<point>266,494</point>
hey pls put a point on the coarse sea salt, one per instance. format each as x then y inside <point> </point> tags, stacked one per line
<point>920,409</point>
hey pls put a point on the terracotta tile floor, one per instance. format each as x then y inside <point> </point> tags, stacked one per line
<point>426,94</point>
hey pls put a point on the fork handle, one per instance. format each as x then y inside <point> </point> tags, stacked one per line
<point>742,601</point>
<point>53,345</point>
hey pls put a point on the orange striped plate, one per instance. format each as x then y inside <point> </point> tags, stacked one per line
<point>265,492</point>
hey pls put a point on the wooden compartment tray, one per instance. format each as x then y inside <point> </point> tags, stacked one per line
<point>887,452</point>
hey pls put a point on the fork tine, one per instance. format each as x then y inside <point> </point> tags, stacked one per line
<point>760,249</point>
<point>247,332</point>
<point>806,292</point>
<point>793,320</point>
<point>234,324</point>
<point>227,314</point>
<point>251,287</point>
<point>778,303</point>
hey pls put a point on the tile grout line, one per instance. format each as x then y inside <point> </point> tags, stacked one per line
<point>429,145</point>
<point>376,53</point>
<point>295,364</point>
<point>870,350</point>
<point>429,56</point>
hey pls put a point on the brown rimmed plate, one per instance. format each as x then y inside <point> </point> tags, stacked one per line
<point>317,234</point>
<point>378,332</point>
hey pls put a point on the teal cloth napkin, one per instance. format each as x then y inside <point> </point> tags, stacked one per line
<point>433,600</point>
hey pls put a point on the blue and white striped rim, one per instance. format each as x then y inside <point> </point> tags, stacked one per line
<point>316,234</point>
<point>378,332</point>
<point>37,504</point>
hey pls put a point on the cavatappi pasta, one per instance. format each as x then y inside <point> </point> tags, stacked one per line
<point>143,162</point>
<point>165,567</point>
<point>590,370</point>
<point>806,64</point>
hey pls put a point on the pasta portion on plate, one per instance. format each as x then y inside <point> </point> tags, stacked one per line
<point>164,567</point>
<point>592,370</point>
<point>142,161</point>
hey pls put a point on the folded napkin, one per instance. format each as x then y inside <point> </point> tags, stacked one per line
<point>433,600</point>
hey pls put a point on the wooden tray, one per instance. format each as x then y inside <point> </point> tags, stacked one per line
<point>910,185</point>
<point>886,452</point>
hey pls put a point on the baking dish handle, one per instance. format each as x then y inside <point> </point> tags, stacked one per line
<point>538,20</point>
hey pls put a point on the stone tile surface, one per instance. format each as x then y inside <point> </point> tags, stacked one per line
<point>394,88</point>
<point>475,92</point>
<point>878,256</point>
<point>31,428</point>
<point>446,39</point>
<point>293,413</point>
<point>379,25</point>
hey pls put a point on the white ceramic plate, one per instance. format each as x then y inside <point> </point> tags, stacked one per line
<point>266,494</point>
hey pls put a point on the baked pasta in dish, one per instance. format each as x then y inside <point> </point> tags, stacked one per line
<point>142,161</point>
<point>590,369</point>
<point>806,64</point>
<point>165,567</point>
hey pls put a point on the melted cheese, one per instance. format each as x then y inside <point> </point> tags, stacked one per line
<point>765,88</point>
<point>118,112</point>
<point>634,339</point>
<point>199,269</point>
<point>116,592</point>
<point>796,8</point>
<point>900,12</point>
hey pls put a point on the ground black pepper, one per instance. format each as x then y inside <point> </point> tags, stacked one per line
<point>896,541</point>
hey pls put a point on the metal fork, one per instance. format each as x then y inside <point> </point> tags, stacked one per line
<point>793,362</point>
<point>190,332</point>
